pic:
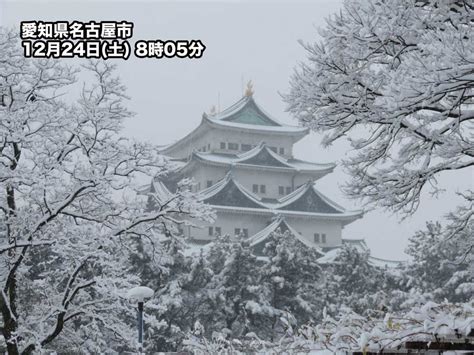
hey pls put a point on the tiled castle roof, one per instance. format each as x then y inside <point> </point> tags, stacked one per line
<point>228,192</point>
<point>262,155</point>
<point>279,224</point>
<point>307,199</point>
<point>304,200</point>
<point>245,113</point>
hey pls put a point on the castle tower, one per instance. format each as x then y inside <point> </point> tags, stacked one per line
<point>242,162</point>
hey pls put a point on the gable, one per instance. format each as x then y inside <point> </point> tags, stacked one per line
<point>263,158</point>
<point>310,201</point>
<point>250,114</point>
<point>231,195</point>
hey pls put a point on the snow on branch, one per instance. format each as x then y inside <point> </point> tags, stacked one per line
<point>396,79</point>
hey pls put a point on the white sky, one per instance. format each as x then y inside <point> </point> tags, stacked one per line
<point>245,39</point>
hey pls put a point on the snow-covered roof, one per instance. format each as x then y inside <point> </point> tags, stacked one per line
<point>279,224</point>
<point>262,156</point>
<point>384,262</point>
<point>307,199</point>
<point>160,191</point>
<point>246,111</point>
<point>331,255</point>
<point>229,195</point>
<point>359,244</point>
<point>228,192</point>
<point>246,114</point>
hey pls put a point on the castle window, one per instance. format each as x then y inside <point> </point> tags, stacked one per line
<point>237,231</point>
<point>281,190</point>
<point>211,231</point>
<point>246,147</point>
<point>222,145</point>
<point>209,146</point>
<point>218,230</point>
<point>233,146</point>
<point>209,183</point>
<point>282,151</point>
<point>255,188</point>
<point>288,190</point>
<point>323,238</point>
<point>262,189</point>
<point>317,239</point>
<point>245,232</point>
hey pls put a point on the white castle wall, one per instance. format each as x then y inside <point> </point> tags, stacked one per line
<point>254,223</point>
<point>228,222</point>
<point>209,139</point>
<point>245,137</point>
<point>248,177</point>
<point>308,227</point>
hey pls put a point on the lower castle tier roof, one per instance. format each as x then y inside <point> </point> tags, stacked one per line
<point>227,194</point>
<point>279,224</point>
<point>327,255</point>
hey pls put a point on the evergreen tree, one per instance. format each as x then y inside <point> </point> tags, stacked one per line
<point>440,269</point>
<point>351,280</point>
<point>292,279</point>
<point>237,293</point>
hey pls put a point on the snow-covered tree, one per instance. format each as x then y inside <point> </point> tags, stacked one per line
<point>237,292</point>
<point>436,325</point>
<point>70,205</point>
<point>351,281</point>
<point>439,269</point>
<point>183,298</point>
<point>396,77</point>
<point>292,279</point>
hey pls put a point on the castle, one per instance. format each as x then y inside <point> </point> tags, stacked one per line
<point>242,162</point>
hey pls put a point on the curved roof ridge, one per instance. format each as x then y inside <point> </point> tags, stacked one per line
<point>215,188</point>
<point>250,153</point>
<point>286,129</point>
<point>235,107</point>
<point>167,147</point>
<point>296,160</point>
<point>264,112</point>
<point>277,156</point>
<point>221,184</point>
<point>160,191</point>
<point>271,228</point>
<point>241,157</point>
<point>249,193</point>
<point>258,150</point>
<point>299,192</point>
<point>265,232</point>
<point>294,195</point>
<point>329,201</point>
<point>240,105</point>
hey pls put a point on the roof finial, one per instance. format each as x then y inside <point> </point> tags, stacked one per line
<point>249,90</point>
<point>212,112</point>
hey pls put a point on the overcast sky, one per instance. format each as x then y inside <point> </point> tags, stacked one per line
<point>255,40</point>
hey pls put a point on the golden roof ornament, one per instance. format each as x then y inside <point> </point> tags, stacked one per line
<point>249,90</point>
